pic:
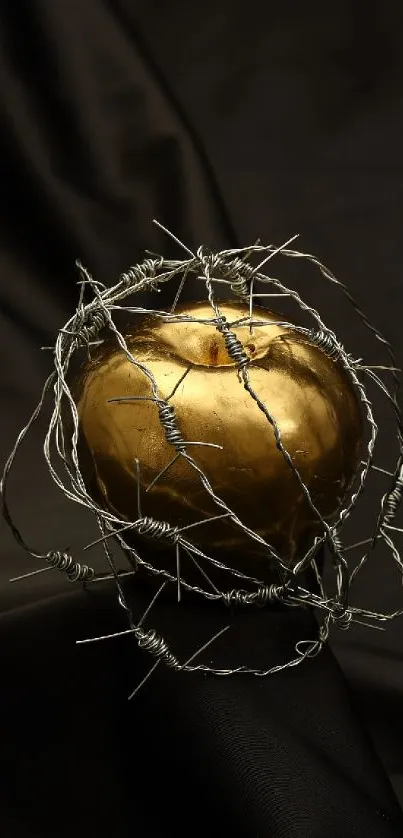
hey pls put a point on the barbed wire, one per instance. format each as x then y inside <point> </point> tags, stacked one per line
<point>87,327</point>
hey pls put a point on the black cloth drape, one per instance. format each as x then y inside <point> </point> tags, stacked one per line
<point>226,123</point>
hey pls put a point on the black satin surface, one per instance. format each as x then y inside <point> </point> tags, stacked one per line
<point>226,123</point>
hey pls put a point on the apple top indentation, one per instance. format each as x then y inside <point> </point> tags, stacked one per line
<point>201,343</point>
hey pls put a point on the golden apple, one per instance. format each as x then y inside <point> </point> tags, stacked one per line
<point>308,394</point>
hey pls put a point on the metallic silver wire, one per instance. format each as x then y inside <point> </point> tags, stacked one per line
<point>86,327</point>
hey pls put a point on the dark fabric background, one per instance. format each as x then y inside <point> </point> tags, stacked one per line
<point>226,122</point>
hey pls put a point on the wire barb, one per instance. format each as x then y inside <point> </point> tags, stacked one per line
<point>234,270</point>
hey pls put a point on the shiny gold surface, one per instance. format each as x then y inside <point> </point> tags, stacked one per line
<point>307,393</point>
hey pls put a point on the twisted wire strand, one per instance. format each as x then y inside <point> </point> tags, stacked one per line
<point>239,274</point>
<point>361,480</point>
<point>155,644</point>
<point>157,529</point>
<point>61,454</point>
<point>238,355</point>
<point>263,595</point>
<point>75,571</point>
<point>146,270</point>
<point>392,500</point>
<point>326,343</point>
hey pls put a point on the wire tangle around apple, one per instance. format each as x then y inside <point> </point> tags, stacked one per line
<point>92,324</point>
